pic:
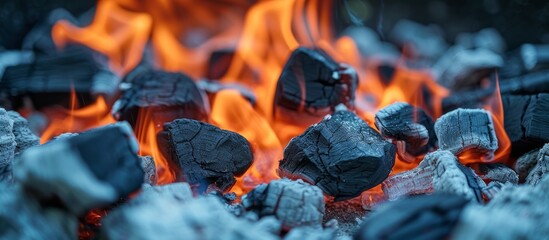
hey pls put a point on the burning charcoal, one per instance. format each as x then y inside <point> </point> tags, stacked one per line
<point>78,171</point>
<point>147,163</point>
<point>213,87</point>
<point>525,163</point>
<point>467,130</point>
<point>204,154</point>
<point>219,63</point>
<point>411,127</point>
<point>313,82</point>
<point>165,218</point>
<point>496,172</point>
<point>23,135</point>
<point>438,172</point>
<point>7,145</point>
<point>341,154</point>
<point>425,42</point>
<point>420,217</point>
<point>526,121</point>
<point>165,96</point>
<point>541,168</point>
<point>463,68</point>
<point>294,203</point>
<point>488,38</point>
<point>22,217</point>
<point>343,215</point>
<point>492,189</point>
<point>46,82</point>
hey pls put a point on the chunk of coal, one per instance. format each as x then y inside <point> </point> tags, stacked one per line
<point>525,163</point>
<point>166,96</point>
<point>22,217</point>
<point>495,172</point>
<point>419,217</point>
<point>541,168</point>
<point>312,82</point>
<point>467,130</point>
<point>462,68</point>
<point>51,79</point>
<point>203,154</point>
<point>487,38</point>
<point>341,154</point>
<point>422,42</point>
<point>7,146</point>
<point>439,171</point>
<point>166,218</point>
<point>294,203</point>
<point>78,171</point>
<point>526,121</point>
<point>24,137</point>
<point>149,168</point>
<point>411,127</point>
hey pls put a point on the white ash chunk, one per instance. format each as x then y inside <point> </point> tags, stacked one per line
<point>7,146</point>
<point>525,163</point>
<point>294,203</point>
<point>180,192</point>
<point>541,168</point>
<point>498,172</point>
<point>164,218</point>
<point>149,167</point>
<point>311,233</point>
<point>470,130</point>
<point>439,171</point>
<point>24,137</point>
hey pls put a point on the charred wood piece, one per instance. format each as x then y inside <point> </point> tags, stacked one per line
<point>80,176</point>
<point>526,121</point>
<point>495,172</point>
<point>149,168</point>
<point>312,82</point>
<point>419,217</point>
<point>462,68</point>
<point>294,203</point>
<point>341,154</point>
<point>24,137</point>
<point>166,96</point>
<point>541,168</point>
<point>203,154</point>
<point>409,126</point>
<point>201,218</point>
<point>526,163</point>
<point>438,172</point>
<point>467,130</point>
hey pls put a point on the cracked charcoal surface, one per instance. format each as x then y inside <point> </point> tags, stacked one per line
<point>469,130</point>
<point>313,82</point>
<point>341,154</point>
<point>496,172</point>
<point>294,203</point>
<point>541,168</point>
<point>525,163</point>
<point>403,122</point>
<point>203,154</point>
<point>168,96</point>
<point>23,135</point>
<point>7,145</point>
<point>420,217</point>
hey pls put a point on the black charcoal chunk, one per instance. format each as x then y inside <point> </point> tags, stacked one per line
<point>164,96</point>
<point>423,42</point>
<point>467,130</point>
<point>294,203</point>
<point>410,126</point>
<point>312,82</point>
<point>24,137</point>
<point>419,217</point>
<point>487,38</point>
<point>92,169</point>
<point>341,154</point>
<point>203,154</point>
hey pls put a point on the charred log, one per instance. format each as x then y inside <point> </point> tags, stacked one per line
<point>341,154</point>
<point>164,96</point>
<point>420,217</point>
<point>411,127</point>
<point>203,154</point>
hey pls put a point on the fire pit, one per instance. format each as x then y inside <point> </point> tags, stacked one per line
<point>297,119</point>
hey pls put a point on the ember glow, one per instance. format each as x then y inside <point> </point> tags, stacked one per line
<point>183,34</point>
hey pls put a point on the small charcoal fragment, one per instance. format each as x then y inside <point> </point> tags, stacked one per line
<point>164,96</point>
<point>79,172</point>
<point>525,163</point>
<point>467,130</point>
<point>294,203</point>
<point>422,42</point>
<point>541,168</point>
<point>149,168</point>
<point>495,172</point>
<point>203,154</point>
<point>341,154</point>
<point>313,82</point>
<point>419,217</point>
<point>409,125</point>
<point>23,135</point>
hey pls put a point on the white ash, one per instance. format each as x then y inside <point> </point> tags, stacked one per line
<point>149,167</point>
<point>24,137</point>
<point>165,218</point>
<point>310,233</point>
<point>497,172</point>
<point>525,163</point>
<point>294,203</point>
<point>179,192</point>
<point>541,168</point>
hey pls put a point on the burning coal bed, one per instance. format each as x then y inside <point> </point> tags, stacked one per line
<point>348,140</point>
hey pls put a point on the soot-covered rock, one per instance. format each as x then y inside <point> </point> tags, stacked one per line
<point>467,130</point>
<point>420,217</point>
<point>440,171</point>
<point>89,170</point>
<point>24,137</point>
<point>341,154</point>
<point>411,127</point>
<point>312,82</point>
<point>165,96</point>
<point>203,154</point>
<point>294,203</point>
